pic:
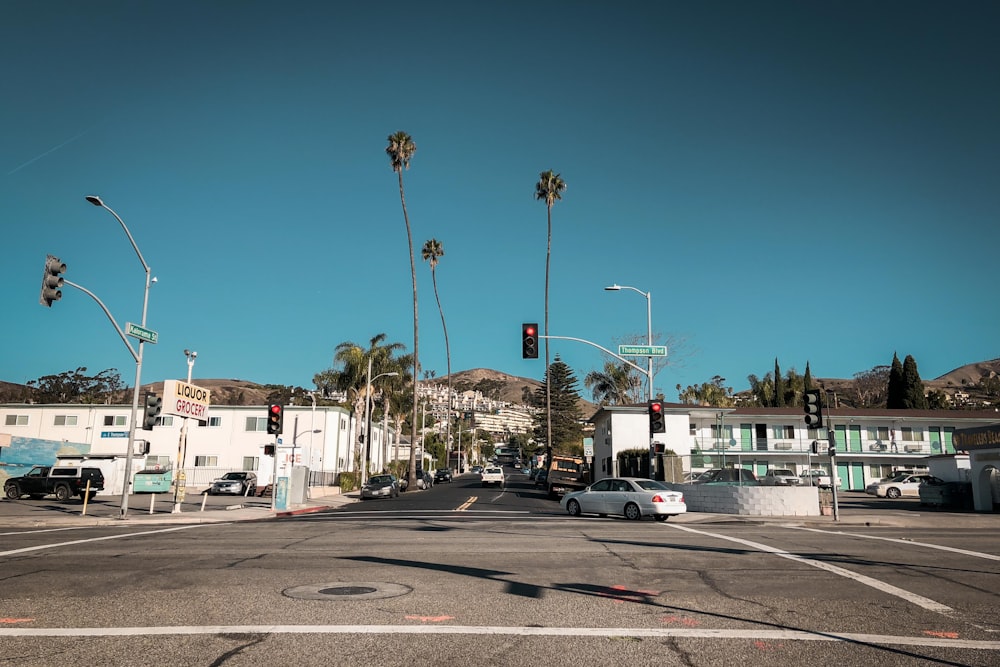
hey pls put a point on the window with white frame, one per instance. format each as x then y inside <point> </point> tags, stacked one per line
<point>878,433</point>
<point>213,422</point>
<point>115,420</point>
<point>206,461</point>
<point>165,420</point>
<point>256,424</point>
<point>692,429</point>
<point>65,420</point>
<point>783,432</point>
<point>16,420</point>
<point>158,463</point>
<point>250,462</point>
<point>912,434</point>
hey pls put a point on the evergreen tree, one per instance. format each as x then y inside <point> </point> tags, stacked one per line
<point>567,431</point>
<point>779,386</point>
<point>913,397</point>
<point>807,380</point>
<point>896,389</point>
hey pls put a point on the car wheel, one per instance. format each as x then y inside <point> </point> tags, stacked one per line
<point>892,492</point>
<point>632,512</point>
<point>63,493</point>
<point>12,492</point>
<point>573,507</point>
<point>662,517</point>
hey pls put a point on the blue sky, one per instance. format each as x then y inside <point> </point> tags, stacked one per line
<point>795,180</point>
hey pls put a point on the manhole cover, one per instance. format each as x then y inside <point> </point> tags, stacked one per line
<point>339,590</point>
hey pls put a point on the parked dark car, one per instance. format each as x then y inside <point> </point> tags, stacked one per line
<point>937,493</point>
<point>442,475</point>
<point>380,486</point>
<point>728,476</point>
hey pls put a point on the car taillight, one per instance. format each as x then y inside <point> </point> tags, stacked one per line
<point>658,499</point>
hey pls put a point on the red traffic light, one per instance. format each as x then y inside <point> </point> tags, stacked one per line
<point>530,331</point>
<point>275,409</point>
<point>655,407</point>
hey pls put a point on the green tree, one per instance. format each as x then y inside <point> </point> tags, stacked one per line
<point>915,398</point>
<point>779,386</point>
<point>870,387</point>
<point>77,387</point>
<point>432,252</point>
<point>896,390</point>
<point>761,390</point>
<point>711,393</point>
<point>563,426</point>
<point>549,188</point>
<point>807,380</point>
<point>617,384</point>
<point>400,151</point>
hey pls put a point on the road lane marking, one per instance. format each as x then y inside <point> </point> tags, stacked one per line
<point>964,552</point>
<point>40,547</point>
<point>464,506</point>
<point>758,634</point>
<point>918,600</point>
<point>45,530</point>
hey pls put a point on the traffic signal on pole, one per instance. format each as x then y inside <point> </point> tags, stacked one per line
<point>268,450</point>
<point>154,405</point>
<point>815,446</point>
<point>52,280</point>
<point>656,424</point>
<point>529,340</point>
<point>275,418</point>
<point>814,409</point>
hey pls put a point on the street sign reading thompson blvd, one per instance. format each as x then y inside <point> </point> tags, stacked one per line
<point>141,333</point>
<point>185,400</point>
<point>642,350</point>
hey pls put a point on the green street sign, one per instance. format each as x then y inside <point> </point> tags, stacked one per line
<point>642,350</point>
<point>141,333</point>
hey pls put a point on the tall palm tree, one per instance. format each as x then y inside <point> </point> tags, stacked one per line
<point>432,252</point>
<point>400,151</point>
<point>549,188</point>
<point>617,384</point>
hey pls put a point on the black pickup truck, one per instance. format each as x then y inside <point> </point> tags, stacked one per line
<point>62,481</point>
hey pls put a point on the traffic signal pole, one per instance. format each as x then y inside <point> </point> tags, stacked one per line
<point>833,463</point>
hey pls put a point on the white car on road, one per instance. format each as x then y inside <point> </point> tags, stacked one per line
<point>493,475</point>
<point>903,484</point>
<point>632,497</point>
<point>780,477</point>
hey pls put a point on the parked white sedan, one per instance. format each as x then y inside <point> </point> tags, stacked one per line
<point>903,484</point>
<point>631,497</point>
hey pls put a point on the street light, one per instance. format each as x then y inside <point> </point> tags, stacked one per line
<point>96,201</point>
<point>368,428</point>
<point>180,478</point>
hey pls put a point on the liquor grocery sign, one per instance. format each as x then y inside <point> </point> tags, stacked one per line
<point>185,400</point>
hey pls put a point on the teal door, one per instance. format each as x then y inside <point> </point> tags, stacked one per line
<point>843,472</point>
<point>854,435</point>
<point>746,437</point>
<point>857,477</point>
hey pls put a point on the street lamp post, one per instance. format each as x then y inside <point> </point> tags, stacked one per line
<point>96,201</point>
<point>649,360</point>
<point>368,426</point>
<point>180,478</point>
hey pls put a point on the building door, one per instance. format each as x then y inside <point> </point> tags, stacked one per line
<point>854,438</point>
<point>843,472</point>
<point>746,437</point>
<point>857,482</point>
<point>761,433</point>
<point>935,436</point>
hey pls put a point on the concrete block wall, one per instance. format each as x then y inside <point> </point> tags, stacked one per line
<point>750,500</point>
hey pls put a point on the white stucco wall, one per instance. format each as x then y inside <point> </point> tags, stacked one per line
<point>750,500</point>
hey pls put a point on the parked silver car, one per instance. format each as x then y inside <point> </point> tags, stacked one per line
<point>380,486</point>
<point>235,483</point>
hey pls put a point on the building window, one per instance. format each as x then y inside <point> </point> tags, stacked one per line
<point>167,420</point>
<point>213,422</point>
<point>115,420</point>
<point>256,424</point>
<point>206,461</point>
<point>65,420</point>
<point>250,462</point>
<point>692,429</point>
<point>158,463</point>
<point>17,420</point>
<point>912,435</point>
<point>784,432</point>
<point>878,433</point>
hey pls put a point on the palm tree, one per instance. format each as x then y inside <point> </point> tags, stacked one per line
<point>400,151</point>
<point>432,251</point>
<point>550,188</point>
<point>617,384</point>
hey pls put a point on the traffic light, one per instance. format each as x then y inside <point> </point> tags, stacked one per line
<point>268,450</point>
<point>529,341</point>
<point>52,281</point>
<point>154,405</point>
<point>815,446</point>
<point>656,424</point>
<point>275,417</point>
<point>814,409</point>
<point>832,450</point>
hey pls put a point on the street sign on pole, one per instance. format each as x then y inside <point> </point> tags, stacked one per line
<point>142,333</point>
<point>642,350</point>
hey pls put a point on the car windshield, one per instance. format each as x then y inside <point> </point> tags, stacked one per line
<point>380,479</point>
<point>494,471</point>
<point>651,485</point>
<point>235,475</point>
<point>784,473</point>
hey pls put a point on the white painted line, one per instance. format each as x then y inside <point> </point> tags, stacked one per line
<point>41,547</point>
<point>964,552</point>
<point>46,530</point>
<point>918,600</point>
<point>692,633</point>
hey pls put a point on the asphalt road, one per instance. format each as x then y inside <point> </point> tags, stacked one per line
<point>463,575</point>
